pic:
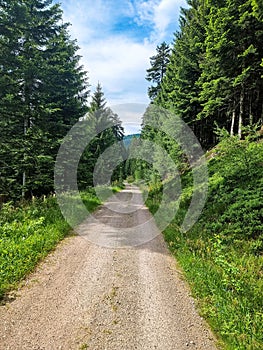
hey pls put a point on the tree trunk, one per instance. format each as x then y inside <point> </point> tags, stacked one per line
<point>233,122</point>
<point>24,185</point>
<point>250,111</point>
<point>24,173</point>
<point>241,112</point>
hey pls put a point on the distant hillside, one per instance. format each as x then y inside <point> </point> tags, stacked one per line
<point>127,139</point>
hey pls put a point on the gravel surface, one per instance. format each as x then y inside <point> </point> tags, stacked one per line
<point>104,291</point>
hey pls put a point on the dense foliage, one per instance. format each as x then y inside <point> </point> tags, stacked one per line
<point>215,69</point>
<point>43,92</point>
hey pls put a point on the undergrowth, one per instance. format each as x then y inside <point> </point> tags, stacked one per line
<point>222,254</point>
<point>29,231</point>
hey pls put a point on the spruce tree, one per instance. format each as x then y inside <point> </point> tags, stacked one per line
<point>214,76</point>
<point>157,71</point>
<point>179,90</point>
<point>231,83</point>
<point>42,93</point>
<point>106,128</point>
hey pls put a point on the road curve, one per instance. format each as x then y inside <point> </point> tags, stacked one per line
<point>102,290</point>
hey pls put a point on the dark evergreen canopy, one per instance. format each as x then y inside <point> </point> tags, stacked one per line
<point>43,91</point>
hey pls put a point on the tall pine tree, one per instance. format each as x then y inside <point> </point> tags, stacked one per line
<point>42,93</point>
<point>157,71</point>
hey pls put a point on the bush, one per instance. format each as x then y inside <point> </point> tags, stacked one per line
<point>130,179</point>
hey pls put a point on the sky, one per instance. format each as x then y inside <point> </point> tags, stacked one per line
<point>116,40</point>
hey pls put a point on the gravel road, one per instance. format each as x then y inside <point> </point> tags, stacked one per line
<point>102,290</point>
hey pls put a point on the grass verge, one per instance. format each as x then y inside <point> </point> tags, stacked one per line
<point>29,231</point>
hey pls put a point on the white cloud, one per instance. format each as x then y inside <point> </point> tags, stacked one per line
<point>119,64</point>
<point>116,58</point>
<point>131,114</point>
<point>145,10</point>
<point>165,13</point>
<point>161,14</point>
<point>87,18</point>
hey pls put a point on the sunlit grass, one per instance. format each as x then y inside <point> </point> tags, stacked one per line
<point>29,231</point>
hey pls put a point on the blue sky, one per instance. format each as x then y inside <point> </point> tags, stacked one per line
<point>116,40</point>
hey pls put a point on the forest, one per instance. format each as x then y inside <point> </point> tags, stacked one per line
<point>212,75</point>
<point>43,92</point>
<point>211,78</point>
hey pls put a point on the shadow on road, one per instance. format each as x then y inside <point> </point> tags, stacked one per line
<point>122,222</point>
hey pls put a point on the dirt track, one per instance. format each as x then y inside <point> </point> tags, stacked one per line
<point>106,297</point>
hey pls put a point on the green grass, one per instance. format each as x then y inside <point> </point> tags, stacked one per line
<point>222,254</point>
<point>29,231</point>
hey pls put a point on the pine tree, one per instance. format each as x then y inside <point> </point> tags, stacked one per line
<point>98,100</point>
<point>210,79</point>
<point>231,84</point>
<point>179,90</point>
<point>107,131</point>
<point>157,71</point>
<point>42,93</point>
